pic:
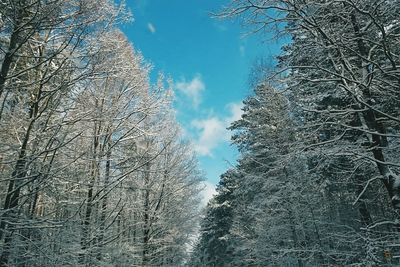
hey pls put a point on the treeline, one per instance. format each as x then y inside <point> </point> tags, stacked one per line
<point>93,168</point>
<point>317,183</point>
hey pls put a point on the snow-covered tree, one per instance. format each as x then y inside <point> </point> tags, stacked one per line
<point>319,169</point>
<point>88,174</point>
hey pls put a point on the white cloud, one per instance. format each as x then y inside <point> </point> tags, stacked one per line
<point>242,50</point>
<point>151,27</point>
<point>192,89</point>
<point>207,193</point>
<point>236,112</point>
<point>221,27</point>
<point>212,131</point>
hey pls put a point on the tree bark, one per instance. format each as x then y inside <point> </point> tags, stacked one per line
<point>390,179</point>
<point>105,198</point>
<point>146,216</point>
<point>90,193</point>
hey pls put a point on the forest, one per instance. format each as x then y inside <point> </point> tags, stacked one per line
<point>95,169</point>
<point>317,182</point>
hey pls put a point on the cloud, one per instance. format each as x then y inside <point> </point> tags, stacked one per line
<point>235,111</point>
<point>192,89</point>
<point>242,50</point>
<point>151,27</point>
<point>220,27</point>
<point>213,131</point>
<point>207,193</point>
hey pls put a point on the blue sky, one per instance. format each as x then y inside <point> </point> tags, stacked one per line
<point>209,61</point>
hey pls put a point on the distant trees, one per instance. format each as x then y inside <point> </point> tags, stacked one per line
<point>319,139</point>
<point>88,175</point>
<point>214,247</point>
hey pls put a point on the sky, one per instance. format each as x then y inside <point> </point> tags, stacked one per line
<point>209,61</point>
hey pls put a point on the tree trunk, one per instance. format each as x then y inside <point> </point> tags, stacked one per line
<point>146,216</point>
<point>85,239</point>
<point>390,179</point>
<point>105,198</point>
<point>295,238</point>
